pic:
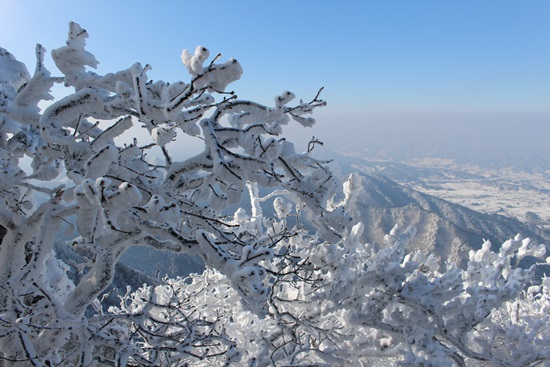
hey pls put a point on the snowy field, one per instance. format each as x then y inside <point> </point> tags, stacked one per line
<point>518,194</point>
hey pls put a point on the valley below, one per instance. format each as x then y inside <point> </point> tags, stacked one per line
<point>519,194</point>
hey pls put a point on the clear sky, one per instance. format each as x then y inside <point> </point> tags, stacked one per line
<point>392,59</point>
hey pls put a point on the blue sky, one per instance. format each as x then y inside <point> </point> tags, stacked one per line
<point>401,60</point>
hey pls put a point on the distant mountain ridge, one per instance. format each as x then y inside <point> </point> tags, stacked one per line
<point>443,228</point>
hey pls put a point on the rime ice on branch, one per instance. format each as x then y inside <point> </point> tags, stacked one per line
<point>117,198</point>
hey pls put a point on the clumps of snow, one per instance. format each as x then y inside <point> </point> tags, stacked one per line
<point>194,62</point>
<point>55,278</point>
<point>216,77</point>
<point>282,207</point>
<point>99,163</point>
<point>284,98</point>
<point>13,75</point>
<point>73,58</point>
<point>163,134</point>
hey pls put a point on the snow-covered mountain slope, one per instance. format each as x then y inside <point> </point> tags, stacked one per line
<point>446,229</point>
<point>125,275</point>
<point>510,192</point>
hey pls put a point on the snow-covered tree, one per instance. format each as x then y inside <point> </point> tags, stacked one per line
<point>295,287</point>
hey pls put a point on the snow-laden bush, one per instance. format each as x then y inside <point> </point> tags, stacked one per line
<point>294,288</point>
